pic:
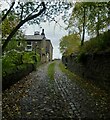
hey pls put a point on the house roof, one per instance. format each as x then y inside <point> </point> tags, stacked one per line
<point>36,38</point>
<point>33,37</point>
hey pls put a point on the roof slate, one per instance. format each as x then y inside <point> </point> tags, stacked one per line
<point>33,37</point>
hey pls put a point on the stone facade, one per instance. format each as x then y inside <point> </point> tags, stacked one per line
<point>40,44</point>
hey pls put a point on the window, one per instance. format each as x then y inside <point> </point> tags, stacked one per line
<point>29,47</point>
<point>28,43</point>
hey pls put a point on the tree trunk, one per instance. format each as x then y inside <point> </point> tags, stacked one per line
<point>98,27</point>
<point>83,35</point>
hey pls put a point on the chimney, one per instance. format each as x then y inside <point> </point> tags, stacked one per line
<point>43,32</point>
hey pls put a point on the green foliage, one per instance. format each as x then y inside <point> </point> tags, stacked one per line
<point>69,44</point>
<point>8,24</point>
<point>96,20</point>
<point>12,59</point>
<point>100,43</point>
<point>12,45</point>
<point>28,57</point>
<point>51,71</point>
<point>81,58</point>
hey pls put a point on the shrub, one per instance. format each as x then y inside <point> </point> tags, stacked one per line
<point>13,59</point>
<point>100,43</point>
<point>81,57</point>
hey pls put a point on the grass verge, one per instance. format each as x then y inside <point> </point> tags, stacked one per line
<point>51,71</point>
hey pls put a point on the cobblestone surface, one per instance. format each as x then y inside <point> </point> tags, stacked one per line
<point>42,98</point>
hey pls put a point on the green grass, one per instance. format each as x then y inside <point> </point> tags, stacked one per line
<point>51,71</point>
<point>68,73</point>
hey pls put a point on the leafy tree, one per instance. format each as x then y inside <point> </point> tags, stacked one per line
<point>77,22</point>
<point>7,26</point>
<point>98,18</point>
<point>88,16</point>
<point>69,44</point>
<point>34,12</point>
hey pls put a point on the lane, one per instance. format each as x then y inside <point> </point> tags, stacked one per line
<point>82,105</point>
<point>38,97</point>
<point>41,99</point>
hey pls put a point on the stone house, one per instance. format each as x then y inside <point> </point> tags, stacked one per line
<point>39,44</point>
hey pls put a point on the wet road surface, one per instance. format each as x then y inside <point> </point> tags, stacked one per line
<point>38,97</point>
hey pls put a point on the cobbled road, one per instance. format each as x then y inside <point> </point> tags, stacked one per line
<point>37,97</point>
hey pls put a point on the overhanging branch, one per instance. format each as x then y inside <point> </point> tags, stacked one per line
<point>3,18</point>
<point>20,24</point>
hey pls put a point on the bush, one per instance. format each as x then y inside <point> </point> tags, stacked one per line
<point>12,60</point>
<point>16,74</point>
<point>94,45</point>
<point>30,57</point>
<point>81,58</point>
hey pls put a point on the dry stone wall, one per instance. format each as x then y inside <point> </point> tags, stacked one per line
<point>95,67</point>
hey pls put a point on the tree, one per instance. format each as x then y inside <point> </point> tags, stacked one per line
<point>21,22</point>
<point>77,21</point>
<point>7,26</point>
<point>35,12</point>
<point>69,44</point>
<point>88,16</point>
<point>98,18</point>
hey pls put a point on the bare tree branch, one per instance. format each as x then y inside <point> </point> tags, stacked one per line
<point>34,10</point>
<point>53,19</point>
<point>21,16</point>
<point>3,18</point>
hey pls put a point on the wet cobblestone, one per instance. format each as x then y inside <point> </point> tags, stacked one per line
<point>60,98</point>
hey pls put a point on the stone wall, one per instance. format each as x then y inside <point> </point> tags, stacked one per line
<point>17,74</point>
<point>95,67</point>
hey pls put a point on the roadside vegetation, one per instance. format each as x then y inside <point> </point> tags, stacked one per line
<point>97,44</point>
<point>91,18</point>
<point>69,44</point>
<point>13,59</point>
<point>51,70</point>
<point>93,90</point>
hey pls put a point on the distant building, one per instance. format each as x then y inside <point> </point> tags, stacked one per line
<point>40,44</point>
<point>37,43</point>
